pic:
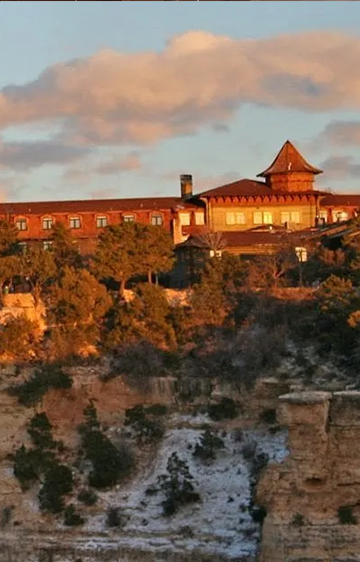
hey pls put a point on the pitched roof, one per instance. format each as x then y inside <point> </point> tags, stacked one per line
<point>247,238</point>
<point>96,205</point>
<point>289,159</point>
<point>249,188</point>
<point>338,199</point>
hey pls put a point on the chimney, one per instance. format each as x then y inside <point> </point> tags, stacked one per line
<point>186,183</point>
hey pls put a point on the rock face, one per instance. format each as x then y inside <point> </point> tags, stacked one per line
<point>321,474</point>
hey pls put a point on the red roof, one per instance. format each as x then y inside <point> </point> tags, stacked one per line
<point>339,200</point>
<point>249,188</point>
<point>247,238</point>
<point>96,205</point>
<point>289,159</point>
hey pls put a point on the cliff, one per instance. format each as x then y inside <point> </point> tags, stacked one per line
<point>302,495</point>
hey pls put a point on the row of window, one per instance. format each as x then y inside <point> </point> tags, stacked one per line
<point>262,217</point>
<point>75,222</point>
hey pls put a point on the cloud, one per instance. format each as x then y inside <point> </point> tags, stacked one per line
<point>341,167</point>
<point>342,133</point>
<point>198,79</point>
<point>22,156</point>
<point>118,165</point>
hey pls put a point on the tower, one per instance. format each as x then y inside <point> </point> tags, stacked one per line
<point>290,172</point>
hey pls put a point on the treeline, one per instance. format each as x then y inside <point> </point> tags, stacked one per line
<point>231,325</point>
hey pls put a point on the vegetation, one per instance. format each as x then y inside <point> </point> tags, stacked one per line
<point>346,516</point>
<point>145,423</point>
<point>177,485</point>
<point>209,445</point>
<point>31,391</point>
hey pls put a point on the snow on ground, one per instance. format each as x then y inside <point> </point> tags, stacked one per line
<point>219,523</point>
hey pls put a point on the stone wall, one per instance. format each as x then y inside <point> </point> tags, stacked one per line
<point>322,473</point>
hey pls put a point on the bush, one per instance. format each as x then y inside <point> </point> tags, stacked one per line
<point>225,409</point>
<point>88,497</point>
<point>71,518</point>
<point>346,516</point>
<point>6,514</point>
<point>58,482</point>
<point>209,444</point>
<point>19,338</point>
<point>109,463</point>
<point>177,485</point>
<point>40,432</point>
<point>268,416</point>
<point>298,520</point>
<point>114,518</point>
<point>31,391</point>
<point>142,421</point>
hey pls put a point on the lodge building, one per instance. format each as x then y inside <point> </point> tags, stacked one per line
<point>282,198</point>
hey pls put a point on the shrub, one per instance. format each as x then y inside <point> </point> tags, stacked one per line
<point>19,338</point>
<point>88,497</point>
<point>114,518</point>
<point>6,514</point>
<point>225,409</point>
<point>40,432</point>
<point>298,520</point>
<point>142,421</point>
<point>71,518</point>
<point>268,416</point>
<point>31,391</point>
<point>209,444</point>
<point>58,482</point>
<point>346,516</point>
<point>109,463</point>
<point>177,485</point>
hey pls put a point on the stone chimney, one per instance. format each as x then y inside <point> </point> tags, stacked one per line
<point>186,183</point>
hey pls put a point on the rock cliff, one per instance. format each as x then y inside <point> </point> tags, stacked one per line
<point>303,494</point>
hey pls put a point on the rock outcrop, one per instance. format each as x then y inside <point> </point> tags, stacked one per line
<point>303,494</point>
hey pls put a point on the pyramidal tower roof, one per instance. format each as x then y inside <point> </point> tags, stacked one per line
<point>289,159</point>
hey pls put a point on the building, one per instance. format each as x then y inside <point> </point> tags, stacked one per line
<point>284,197</point>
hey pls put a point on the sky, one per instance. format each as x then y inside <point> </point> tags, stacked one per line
<point>117,99</point>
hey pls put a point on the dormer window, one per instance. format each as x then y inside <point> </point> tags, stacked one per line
<point>75,222</point>
<point>21,224</point>
<point>101,221</point>
<point>47,223</point>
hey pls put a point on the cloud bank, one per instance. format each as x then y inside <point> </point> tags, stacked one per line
<point>199,79</point>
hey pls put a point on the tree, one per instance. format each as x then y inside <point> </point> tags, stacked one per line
<point>64,248</point>
<point>8,239</point>
<point>19,338</point>
<point>118,255</point>
<point>157,248</point>
<point>269,271</point>
<point>38,267</point>
<point>78,304</point>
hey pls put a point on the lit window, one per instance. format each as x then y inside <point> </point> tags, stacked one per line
<point>258,217</point>
<point>230,218</point>
<point>128,218</point>
<point>323,215</point>
<point>199,218</point>
<point>268,218</point>
<point>295,217</point>
<point>215,253</point>
<point>240,218</point>
<point>340,216</point>
<point>285,217</point>
<point>22,247</point>
<point>75,222</point>
<point>156,220</point>
<point>47,223</point>
<point>21,224</point>
<point>101,222</point>
<point>184,219</point>
<point>47,244</point>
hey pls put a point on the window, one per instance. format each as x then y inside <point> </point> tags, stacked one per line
<point>215,253</point>
<point>285,217</point>
<point>258,217</point>
<point>235,218</point>
<point>295,217</point>
<point>75,222</point>
<point>128,218</point>
<point>101,222</point>
<point>184,219</point>
<point>340,216</point>
<point>156,220</point>
<point>230,218</point>
<point>47,244</point>
<point>23,247</point>
<point>323,215</point>
<point>47,223</point>
<point>199,218</point>
<point>268,218</point>
<point>21,224</point>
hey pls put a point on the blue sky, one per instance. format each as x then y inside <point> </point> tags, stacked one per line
<point>116,99</point>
